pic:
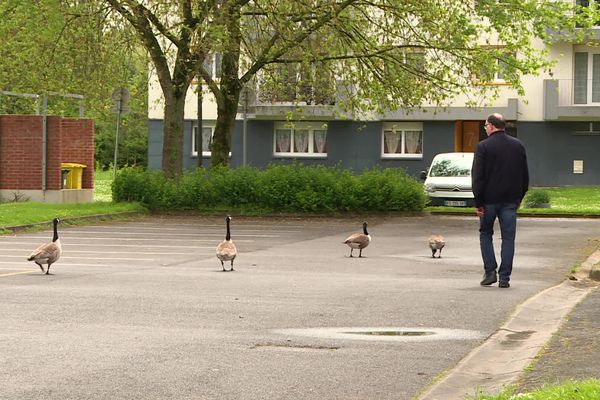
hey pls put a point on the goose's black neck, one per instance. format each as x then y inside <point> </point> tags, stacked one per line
<point>365,228</point>
<point>55,237</point>
<point>228,236</point>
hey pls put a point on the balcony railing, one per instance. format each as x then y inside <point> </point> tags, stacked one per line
<point>578,92</point>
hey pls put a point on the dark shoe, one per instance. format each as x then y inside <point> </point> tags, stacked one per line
<point>504,284</point>
<point>488,279</point>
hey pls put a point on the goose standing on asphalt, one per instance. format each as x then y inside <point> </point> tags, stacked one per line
<point>226,250</point>
<point>359,240</point>
<point>48,253</point>
<point>436,242</point>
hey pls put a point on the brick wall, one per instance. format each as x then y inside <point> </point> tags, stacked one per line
<point>20,152</point>
<point>77,146</point>
<point>67,140</point>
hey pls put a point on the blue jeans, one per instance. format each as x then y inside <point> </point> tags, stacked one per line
<point>507,216</point>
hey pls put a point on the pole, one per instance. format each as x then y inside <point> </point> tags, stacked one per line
<point>244,130</point>
<point>119,102</point>
<point>199,123</point>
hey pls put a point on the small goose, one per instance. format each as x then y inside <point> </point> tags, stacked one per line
<point>359,240</point>
<point>226,250</point>
<point>436,242</point>
<point>48,253</point>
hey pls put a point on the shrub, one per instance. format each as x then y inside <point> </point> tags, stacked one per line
<point>537,198</point>
<point>279,188</point>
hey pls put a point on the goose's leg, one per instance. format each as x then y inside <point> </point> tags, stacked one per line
<point>433,253</point>
<point>40,265</point>
<point>223,265</point>
<point>351,250</point>
<point>48,269</point>
<point>360,253</point>
<point>231,265</point>
<point>440,254</point>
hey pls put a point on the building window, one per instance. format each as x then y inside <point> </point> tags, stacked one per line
<point>212,65</point>
<point>412,61</point>
<point>586,78</point>
<point>499,74</point>
<point>402,140</point>
<point>293,83</point>
<point>207,134</point>
<point>300,140</point>
<point>586,4</point>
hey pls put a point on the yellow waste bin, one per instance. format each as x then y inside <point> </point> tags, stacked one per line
<point>72,174</point>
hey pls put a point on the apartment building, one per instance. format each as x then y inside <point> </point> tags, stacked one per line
<point>558,120</point>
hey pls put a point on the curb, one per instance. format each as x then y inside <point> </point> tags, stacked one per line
<point>95,217</point>
<point>501,359</point>
<point>590,268</point>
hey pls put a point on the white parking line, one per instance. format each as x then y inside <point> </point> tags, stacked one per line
<point>67,264</point>
<point>116,245</point>
<point>221,226</point>
<point>150,253</point>
<point>91,258</point>
<point>159,229</point>
<point>69,250</point>
<point>17,273</point>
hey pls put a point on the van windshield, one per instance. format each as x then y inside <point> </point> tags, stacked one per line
<point>458,166</point>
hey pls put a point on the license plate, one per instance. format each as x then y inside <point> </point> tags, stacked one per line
<point>455,203</point>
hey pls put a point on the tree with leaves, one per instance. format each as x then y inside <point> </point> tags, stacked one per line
<point>373,55</point>
<point>67,47</point>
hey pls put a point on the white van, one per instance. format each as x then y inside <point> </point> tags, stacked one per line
<point>448,180</point>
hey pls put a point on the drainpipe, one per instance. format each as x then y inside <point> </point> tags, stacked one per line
<point>44,136</point>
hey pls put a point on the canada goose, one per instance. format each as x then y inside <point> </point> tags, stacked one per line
<point>226,250</point>
<point>358,240</point>
<point>436,242</point>
<point>48,253</point>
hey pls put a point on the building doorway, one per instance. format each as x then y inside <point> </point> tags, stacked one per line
<point>467,134</point>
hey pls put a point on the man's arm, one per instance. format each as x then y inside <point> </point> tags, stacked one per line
<point>478,176</point>
<point>525,186</point>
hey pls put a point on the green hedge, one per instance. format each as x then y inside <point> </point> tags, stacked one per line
<point>279,188</point>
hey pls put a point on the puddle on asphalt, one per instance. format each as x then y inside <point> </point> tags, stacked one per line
<point>392,333</point>
<point>400,334</point>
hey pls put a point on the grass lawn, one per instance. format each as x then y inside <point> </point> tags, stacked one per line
<point>584,200</point>
<point>582,390</point>
<point>29,212</point>
<point>575,199</point>
<point>102,182</point>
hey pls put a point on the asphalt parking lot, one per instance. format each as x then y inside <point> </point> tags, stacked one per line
<point>142,310</point>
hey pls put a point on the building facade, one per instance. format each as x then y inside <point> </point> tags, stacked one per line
<point>558,120</point>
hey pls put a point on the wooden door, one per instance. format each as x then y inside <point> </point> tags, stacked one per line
<point>466,135</point>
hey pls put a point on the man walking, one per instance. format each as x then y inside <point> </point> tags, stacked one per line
<point>500,180</point>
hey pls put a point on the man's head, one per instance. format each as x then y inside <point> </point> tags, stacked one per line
<point>495,122</point>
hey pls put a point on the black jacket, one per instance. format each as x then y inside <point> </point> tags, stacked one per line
<point>500,173</point>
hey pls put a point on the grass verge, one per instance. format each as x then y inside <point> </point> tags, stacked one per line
<point>588,389</point>
<point>570,200</point>
<point>102,185</point>
<point>25,213</point>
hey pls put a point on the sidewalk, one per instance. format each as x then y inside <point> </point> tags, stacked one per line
<point>552,337</point>
<point>573,352</point>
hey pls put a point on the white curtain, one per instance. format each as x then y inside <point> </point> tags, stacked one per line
<point>413,141</point>
<point>283,139</point>
<point>391,140</point>
<point>301,141</point>
<point>206,139</point>
<point>320,141</point>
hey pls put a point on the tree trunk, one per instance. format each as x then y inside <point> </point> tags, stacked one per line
<point>221,144</point>
<point>172,160</point>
